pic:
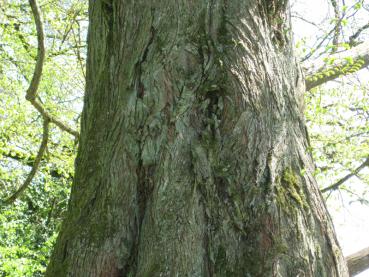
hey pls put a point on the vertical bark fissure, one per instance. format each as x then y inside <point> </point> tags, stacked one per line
<point>138,67</point>
<point>143,173</point>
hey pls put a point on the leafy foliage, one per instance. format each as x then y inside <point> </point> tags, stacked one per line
<point>339,129</point>
<point>29,227</point>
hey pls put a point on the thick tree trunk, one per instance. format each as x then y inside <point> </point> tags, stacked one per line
<point>193,155</point>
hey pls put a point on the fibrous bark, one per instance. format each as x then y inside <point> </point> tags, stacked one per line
<point>193,153</point>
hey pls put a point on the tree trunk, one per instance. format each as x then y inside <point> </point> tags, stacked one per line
<point>193,157</point>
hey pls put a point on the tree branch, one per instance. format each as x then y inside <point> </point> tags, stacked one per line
<point>337,65</point>
<point>348,176</point>
<point>41,151</point>
<point>19,157</point>
<point>31,96</point>
<point>358,262</point>
<point>337,27</point>
<point>53,119</point>
<point>33,87</point>
<point>357,34</point>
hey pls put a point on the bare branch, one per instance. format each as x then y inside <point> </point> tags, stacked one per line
<point>302,18</point>
<point>77,51</point>
<point>337,65</point>
<point>32,89</point>
<point>29,161</point>
<point>53,119</point>
<point>357,34</point>
<point>41,151</point>
<point>358,262</point>
<point>31,95</point>
<point>323,39</point>
<point>348,176</point>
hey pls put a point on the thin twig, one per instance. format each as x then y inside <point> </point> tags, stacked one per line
<point>77,50</point>
<point>348,176</point>
<point>325,37</point>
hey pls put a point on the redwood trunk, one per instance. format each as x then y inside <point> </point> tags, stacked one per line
<point>193,155</point>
